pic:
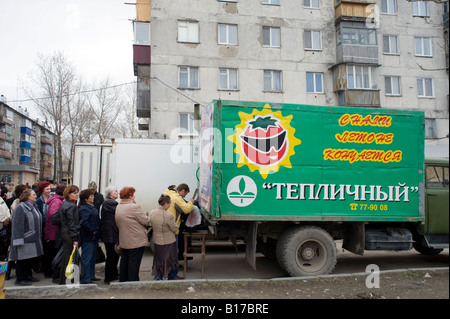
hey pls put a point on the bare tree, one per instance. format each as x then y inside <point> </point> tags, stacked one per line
<point>54,80</point>
<point>129,120</point>
<point>105,105</point>
<point>80,128</point>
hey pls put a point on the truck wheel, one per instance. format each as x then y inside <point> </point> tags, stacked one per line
<point>306,251</point>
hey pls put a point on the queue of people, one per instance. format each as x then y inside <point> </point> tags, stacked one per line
<point>44,229</point>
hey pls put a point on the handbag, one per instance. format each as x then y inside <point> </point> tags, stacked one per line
<point>100,256</point>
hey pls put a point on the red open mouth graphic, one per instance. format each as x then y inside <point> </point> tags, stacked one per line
<point>264,141</point>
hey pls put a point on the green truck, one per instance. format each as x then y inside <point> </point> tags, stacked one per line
<point>291,179</point>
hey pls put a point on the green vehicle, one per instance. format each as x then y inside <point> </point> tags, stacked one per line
<point>291,179</point>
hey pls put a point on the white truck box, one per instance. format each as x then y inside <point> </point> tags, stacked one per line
<point>92,162</point>
<point>151,165</point>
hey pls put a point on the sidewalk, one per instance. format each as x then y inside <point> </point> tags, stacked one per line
<point>216,257</point>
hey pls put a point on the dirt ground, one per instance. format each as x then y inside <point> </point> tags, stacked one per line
<point>392,285</point>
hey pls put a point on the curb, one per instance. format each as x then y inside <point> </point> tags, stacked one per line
<point>67,291</point>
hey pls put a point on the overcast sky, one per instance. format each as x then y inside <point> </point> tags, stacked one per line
<point>95,35</point>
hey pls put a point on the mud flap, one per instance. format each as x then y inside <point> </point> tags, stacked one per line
<point>250,249</point>
<point>354,237</point>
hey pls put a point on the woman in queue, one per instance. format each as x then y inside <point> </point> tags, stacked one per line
<point>26,241</point>
<point>164,228</point>
<point>109,233</point>
<point>70,227</point>
<point>132,223</point>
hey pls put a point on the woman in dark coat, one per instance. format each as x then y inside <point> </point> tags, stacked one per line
<point>26,241</point>
<point>90,233</point>
<point>109,233</point>
<point>70,227</point>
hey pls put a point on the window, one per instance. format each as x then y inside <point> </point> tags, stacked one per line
<point>390,44</point>
<point>271,37</point>
<point>272,81</point>
<point>188,78</point>
<point>141,33</point>
<point>361,77</point>
<point>8,146</point>
<point>26,123</point>
<point>430,128</point>
<point>188,31</point>
<point>313,40</point>
<point>311,4</point>
<point>228,79</point>
<point>420,9</point>
<point>425,87</point>
<point>437,176</point>
<point>25,137</point>
<point>356,34</point>
<point>25,151</point>
<point>274,2</point>
<point>228,34</point>
<point>187,124</point>
<point>388,7</point>
<point>422,46</point>
<point>314,82</point>
<point>9,115</point>
<point>392,85</point>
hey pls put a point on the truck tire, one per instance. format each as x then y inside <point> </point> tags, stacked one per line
<point>306,251</point>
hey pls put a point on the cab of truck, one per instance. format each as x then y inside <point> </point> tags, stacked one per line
<point>432,235</point>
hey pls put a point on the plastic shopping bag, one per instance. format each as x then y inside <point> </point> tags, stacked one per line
<point>75,266</point>
<point>69,267</point>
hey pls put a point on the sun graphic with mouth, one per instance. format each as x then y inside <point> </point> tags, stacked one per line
<point>264,140</point>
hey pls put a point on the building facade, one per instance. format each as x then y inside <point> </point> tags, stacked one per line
<point>358,53</point>
<point>26,147</point>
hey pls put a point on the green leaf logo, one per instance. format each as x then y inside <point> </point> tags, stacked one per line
<point>241,191</point>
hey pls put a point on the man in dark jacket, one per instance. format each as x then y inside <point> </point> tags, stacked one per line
<point>98,198</point>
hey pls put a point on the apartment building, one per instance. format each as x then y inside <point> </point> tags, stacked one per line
<point>26,147</point>
<point>358,53</point>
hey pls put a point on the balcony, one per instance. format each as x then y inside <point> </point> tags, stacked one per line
<point>46,140</point>
<point>143,97</point>
<point>5,154</point>
<point>5,120</point>
<point>354,10</point>
<point>359,98</point>
<point>348,53</point>
<point>141,56</point>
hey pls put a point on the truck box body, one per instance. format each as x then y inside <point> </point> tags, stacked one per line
<point>92,162</point>
<point>291,162</point>
<point>151,165</point>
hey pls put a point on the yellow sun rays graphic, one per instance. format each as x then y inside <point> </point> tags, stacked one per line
<point>284,121</point>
